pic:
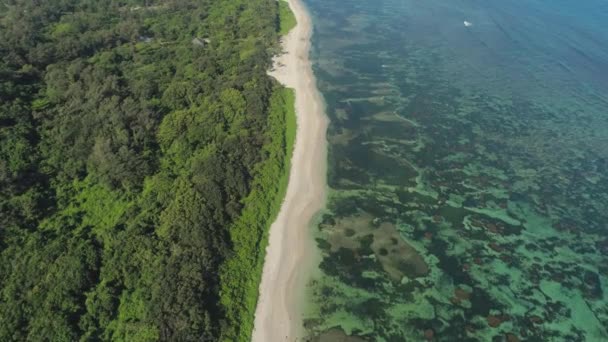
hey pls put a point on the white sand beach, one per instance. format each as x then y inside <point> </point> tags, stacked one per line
<point>288,255</point>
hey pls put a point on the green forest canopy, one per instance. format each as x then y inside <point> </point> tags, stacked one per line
<point>140,146</point>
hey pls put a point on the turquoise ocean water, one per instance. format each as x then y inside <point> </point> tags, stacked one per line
<point>468,171</point>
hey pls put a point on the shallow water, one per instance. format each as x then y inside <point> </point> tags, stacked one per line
<point>467,171</point>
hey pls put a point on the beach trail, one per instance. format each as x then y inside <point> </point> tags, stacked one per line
<point>289,255</point>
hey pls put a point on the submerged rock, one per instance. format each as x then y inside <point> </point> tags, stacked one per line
<point>359,234</point>
<point>337,335</point>
<point>512,338</point>
<point>495,321</point>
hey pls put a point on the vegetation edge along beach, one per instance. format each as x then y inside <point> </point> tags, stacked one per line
<point>241,274</point>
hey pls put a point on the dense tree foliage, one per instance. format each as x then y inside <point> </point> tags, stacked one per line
<point>140,146</point>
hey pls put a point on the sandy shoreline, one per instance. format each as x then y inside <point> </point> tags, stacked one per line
<point>287,261</point>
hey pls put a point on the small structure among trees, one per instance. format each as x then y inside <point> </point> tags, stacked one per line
<point>202,42</point>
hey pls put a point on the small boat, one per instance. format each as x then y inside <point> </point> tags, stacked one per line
<point>468,23</point>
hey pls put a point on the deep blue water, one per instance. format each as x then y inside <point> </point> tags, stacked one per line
<point>467,171</point>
